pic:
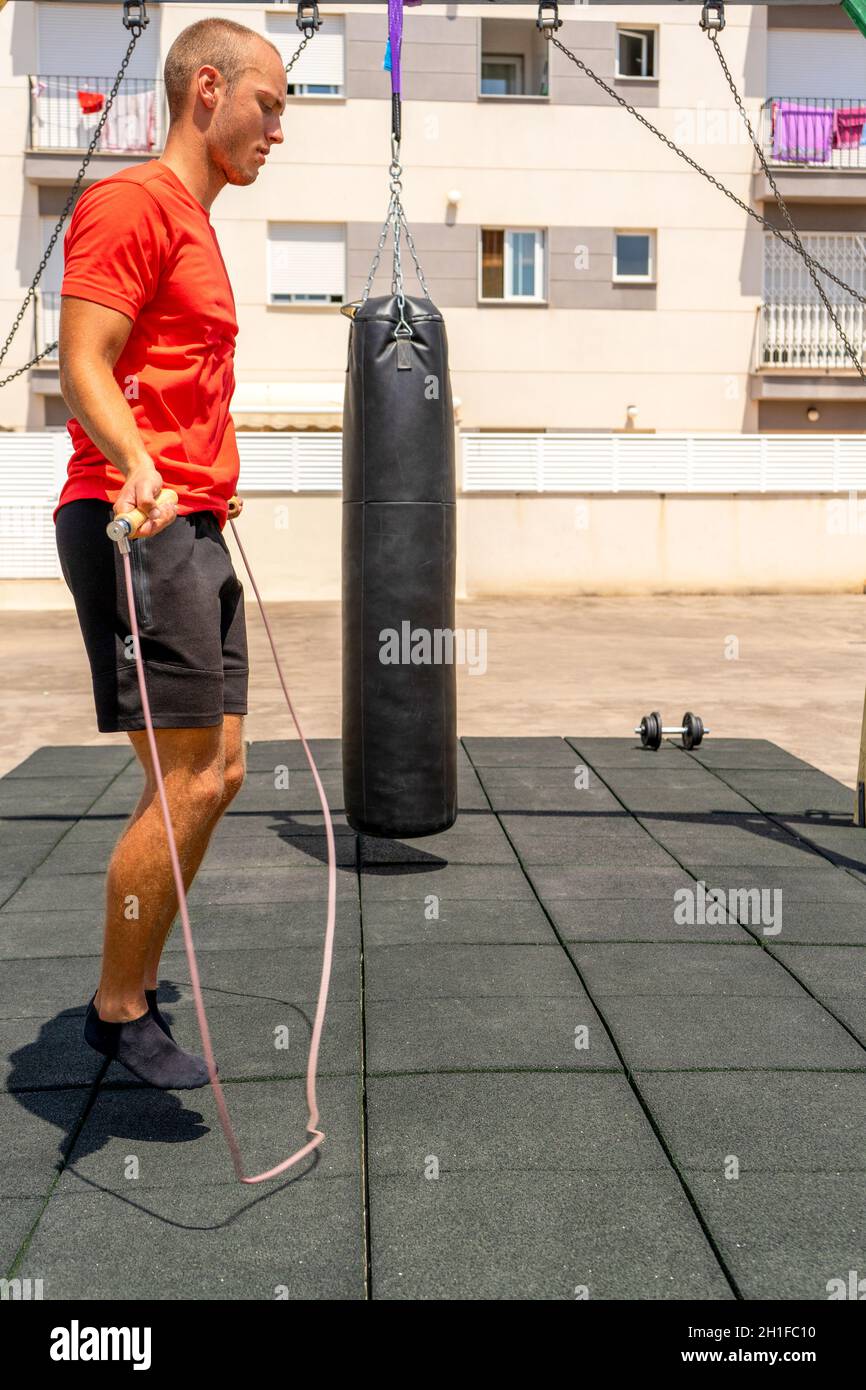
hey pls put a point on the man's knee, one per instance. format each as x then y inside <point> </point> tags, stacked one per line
<point>233,779</point>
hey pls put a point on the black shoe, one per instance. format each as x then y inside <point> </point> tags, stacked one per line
<point>142,1047</point>
<point>150,996</point>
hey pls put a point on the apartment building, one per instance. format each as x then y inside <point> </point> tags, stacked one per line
<point>592,283</point>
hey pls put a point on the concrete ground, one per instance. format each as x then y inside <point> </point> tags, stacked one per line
<point>791,669</point>
<point>561,1085</point>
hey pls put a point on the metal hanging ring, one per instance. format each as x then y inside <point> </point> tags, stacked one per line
<point>138,21</point>
<point>548,24</point>
<point>308,25</point>
<point>713,25</point>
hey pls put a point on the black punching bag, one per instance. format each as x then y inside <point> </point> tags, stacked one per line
<point>399,512</point>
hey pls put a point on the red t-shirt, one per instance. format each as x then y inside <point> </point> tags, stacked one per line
<point>139,242</point>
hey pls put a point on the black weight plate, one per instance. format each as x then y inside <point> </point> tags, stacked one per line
<point>693,730</point>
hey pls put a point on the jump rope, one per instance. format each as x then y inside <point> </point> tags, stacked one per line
<point>121,530</point>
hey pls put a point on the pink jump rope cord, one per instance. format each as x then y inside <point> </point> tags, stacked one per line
<point>312,1060</point>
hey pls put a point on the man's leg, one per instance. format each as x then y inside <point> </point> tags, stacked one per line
<point>202,769</point>
<point>234,770</point>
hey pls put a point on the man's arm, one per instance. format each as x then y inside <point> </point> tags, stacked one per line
<point>92,337</point>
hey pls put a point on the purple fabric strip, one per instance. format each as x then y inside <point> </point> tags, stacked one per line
<point>395,34</point>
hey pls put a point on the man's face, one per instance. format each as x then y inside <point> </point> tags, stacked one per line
<point>247,119</point>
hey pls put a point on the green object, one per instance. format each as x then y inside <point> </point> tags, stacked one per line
<point>856,10</point>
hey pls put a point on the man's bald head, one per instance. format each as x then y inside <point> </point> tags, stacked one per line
<point>220,43</point>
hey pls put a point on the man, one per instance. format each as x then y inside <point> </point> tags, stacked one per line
<point>147,336</point>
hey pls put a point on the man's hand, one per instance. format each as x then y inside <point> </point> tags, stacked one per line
<point>141,490</point>
<point>236,506</point>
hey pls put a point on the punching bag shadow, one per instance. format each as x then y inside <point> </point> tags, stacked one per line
<point>399,515</point>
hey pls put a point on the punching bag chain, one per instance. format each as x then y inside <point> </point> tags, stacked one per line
<point>395,218</point>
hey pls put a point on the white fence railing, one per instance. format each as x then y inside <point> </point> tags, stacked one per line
<point>33,467</point>
<point>654,463</point>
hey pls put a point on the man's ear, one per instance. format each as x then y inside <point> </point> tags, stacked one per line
<point>207,86</point>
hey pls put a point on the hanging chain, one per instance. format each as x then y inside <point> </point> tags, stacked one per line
<point>809,260</point>
<point>136,30</point>
<point>395,218</point>
<point>713,34</point>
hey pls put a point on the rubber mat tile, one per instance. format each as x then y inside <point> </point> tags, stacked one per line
<point>497,1033</point>
<point>470,921</point>
<point>633,919</point>
<point>262,1041</point>
<point>455,882</point>
<point>608,881</point>
<point>220,1241</point>
<point>46,796</point>
<point>782,793</point>
<point>475,839</point>
<point>468,972</point>
<point>515,1235</point>
<point>661,970</point>
<point>692,792</point>
<point>542,1121</point>
<point>746,753</point>
<point>753,1031</point>
<point>163,1137</point>
<point>287,974</point>
<point>519,752</point>
<point>770,1121</point>
<point>790,1237</point>
<point>626,753</point>
<point>47,1052</point>
<point>267,926</point>
<point>826,971</point>
<point>71,760</point>
<point>36,1130</point>
<point>264,755</point>
<point>819,885</point>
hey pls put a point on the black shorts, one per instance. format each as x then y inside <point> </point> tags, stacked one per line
<point>190,608</point>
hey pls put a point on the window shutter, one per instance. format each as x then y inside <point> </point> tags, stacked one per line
<point>90,41</point>
<point>304,258</point>
<point>810,63</point>
<point>322,61</point>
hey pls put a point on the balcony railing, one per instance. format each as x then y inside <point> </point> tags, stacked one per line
<point>803,335</point>
<point>65,111</point>
<point>815,132</point>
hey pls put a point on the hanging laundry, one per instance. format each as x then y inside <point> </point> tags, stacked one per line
<point>131,123</point>
<point>90,102</point>
<point>802,134</point>
<point>848,126</point>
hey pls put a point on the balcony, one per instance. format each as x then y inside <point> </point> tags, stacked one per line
<point>65,111</point>
<point>816,148</point>
<point>796,332</point>
<point>798,335</point>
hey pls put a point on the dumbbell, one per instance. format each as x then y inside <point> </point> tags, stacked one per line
<point>691,730</point>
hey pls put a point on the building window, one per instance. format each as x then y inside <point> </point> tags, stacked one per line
<point>502,75</point>
<point>634,256</point>
<point>320,69</point>
<point>306,263</point>
<point>636,53</point>
<point>513,59</point>
<point>512,264</point>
